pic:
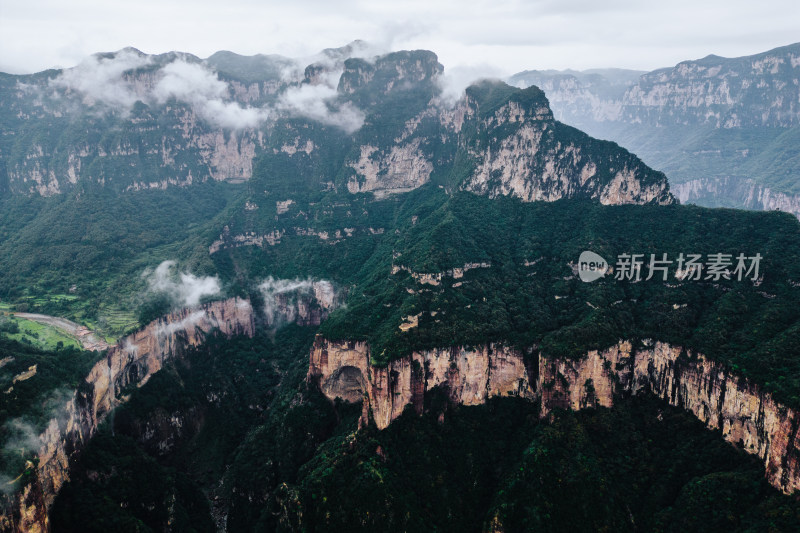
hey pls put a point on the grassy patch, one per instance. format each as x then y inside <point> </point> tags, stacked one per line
<point>36,334</point>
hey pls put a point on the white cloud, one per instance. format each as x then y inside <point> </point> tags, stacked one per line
<point>22,436</point>
<point>103,80</point>
<point>165,330</point>
<point>455,80</point>
<point>317,103</point>
<point>100,79</point>
<point>283,298</point>
<point>184,80</point>
<point>185,289</point>
<point>197,85</point>
<point>106,82</point>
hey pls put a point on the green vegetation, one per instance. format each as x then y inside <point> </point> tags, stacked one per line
<point>768,156</point>
<point>544,304</point>
<point>124,474</point>
<point>236,422</point>
<point>34,385</point>
<point>81,256</point>
<point>231,428</point>
<point>637,467</point>
<point>221,394</point>
<point>36,334</point>
<point>530,296</point>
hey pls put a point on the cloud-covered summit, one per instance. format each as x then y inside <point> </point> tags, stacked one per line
<point>183,288</point>
<point>114,82</point>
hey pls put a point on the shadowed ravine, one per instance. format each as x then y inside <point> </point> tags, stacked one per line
<point>130,362</point>
<point>725,402</point>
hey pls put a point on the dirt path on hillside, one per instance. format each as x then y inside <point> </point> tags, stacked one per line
<point>88,338</point>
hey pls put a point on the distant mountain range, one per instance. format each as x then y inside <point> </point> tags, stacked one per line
<point>347,121</point>
<point>725,131</point>
<point>378,318</point>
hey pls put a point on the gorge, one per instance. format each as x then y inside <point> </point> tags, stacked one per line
<point>737,408</point>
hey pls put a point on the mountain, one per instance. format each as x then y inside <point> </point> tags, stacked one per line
<point>724,130</point>
<point>128,121</point>
<point>366,310</point>
<point>216,152</point>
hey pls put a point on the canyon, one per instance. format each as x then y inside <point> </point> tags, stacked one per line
<point>318,202</point>
<point>740,410</point>
<point>722,129</point>
<point>125,366</point>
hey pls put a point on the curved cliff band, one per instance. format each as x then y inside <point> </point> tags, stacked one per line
<point>721,400</point>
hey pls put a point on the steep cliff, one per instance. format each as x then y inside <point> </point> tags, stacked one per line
<point>757,90</point>
<point>347,122</point>
<point>129,363</point>
<point>717,126</point>
<point>519,149</point>
<point>743,413</point>
<point>731,192</point>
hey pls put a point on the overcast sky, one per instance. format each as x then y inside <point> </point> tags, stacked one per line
<point>500,36</point>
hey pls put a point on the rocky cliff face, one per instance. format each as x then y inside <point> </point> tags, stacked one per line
<point>402,169</point>
<point>520,150</point>
<point>743,413</point>
<point>704,121</point>
<point>758,90</point>
<point>379,125</point>
<point>507,143</point>
<point>743,193</point>
<point>129,363</point>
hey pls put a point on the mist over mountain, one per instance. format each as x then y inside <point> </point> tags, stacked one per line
<point>349,293</point>
<point>724,130</point>
<point>128,121</point>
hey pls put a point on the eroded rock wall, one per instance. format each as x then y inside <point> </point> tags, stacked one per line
<point>743,413</point>
<point>744,193</point>
<point>130,362</point>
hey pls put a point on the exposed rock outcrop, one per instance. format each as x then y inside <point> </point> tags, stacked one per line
<point>227,240</point>
<point>743,413</point>
<point>129,363</point>
<point>498,140</point>
<point>402,169</point>
<point>723,129</point>
<point>755,90</point>
<point>736,192</point>
<point>520,150</point>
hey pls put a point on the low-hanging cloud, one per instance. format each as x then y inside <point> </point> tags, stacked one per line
<point>454,81</point>
<point>284,299</point>
<point>185,289</point>
<point>317,103</point>
<point>332,60</point>
<point>101,79</point>
<point>23,436</point>
<point>109,83</point>
<point>23,440</point>
<point>166,330</point>
<point>195,84</point>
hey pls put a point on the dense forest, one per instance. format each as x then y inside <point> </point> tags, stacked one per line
<point>234,424</point>
<point>231,434</point>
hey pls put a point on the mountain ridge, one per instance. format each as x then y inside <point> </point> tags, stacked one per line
<point>169,121</point>
<point>723,129</point>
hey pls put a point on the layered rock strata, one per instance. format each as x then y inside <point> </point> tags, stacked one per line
<point>129,363</point>
<point>739,409</point>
